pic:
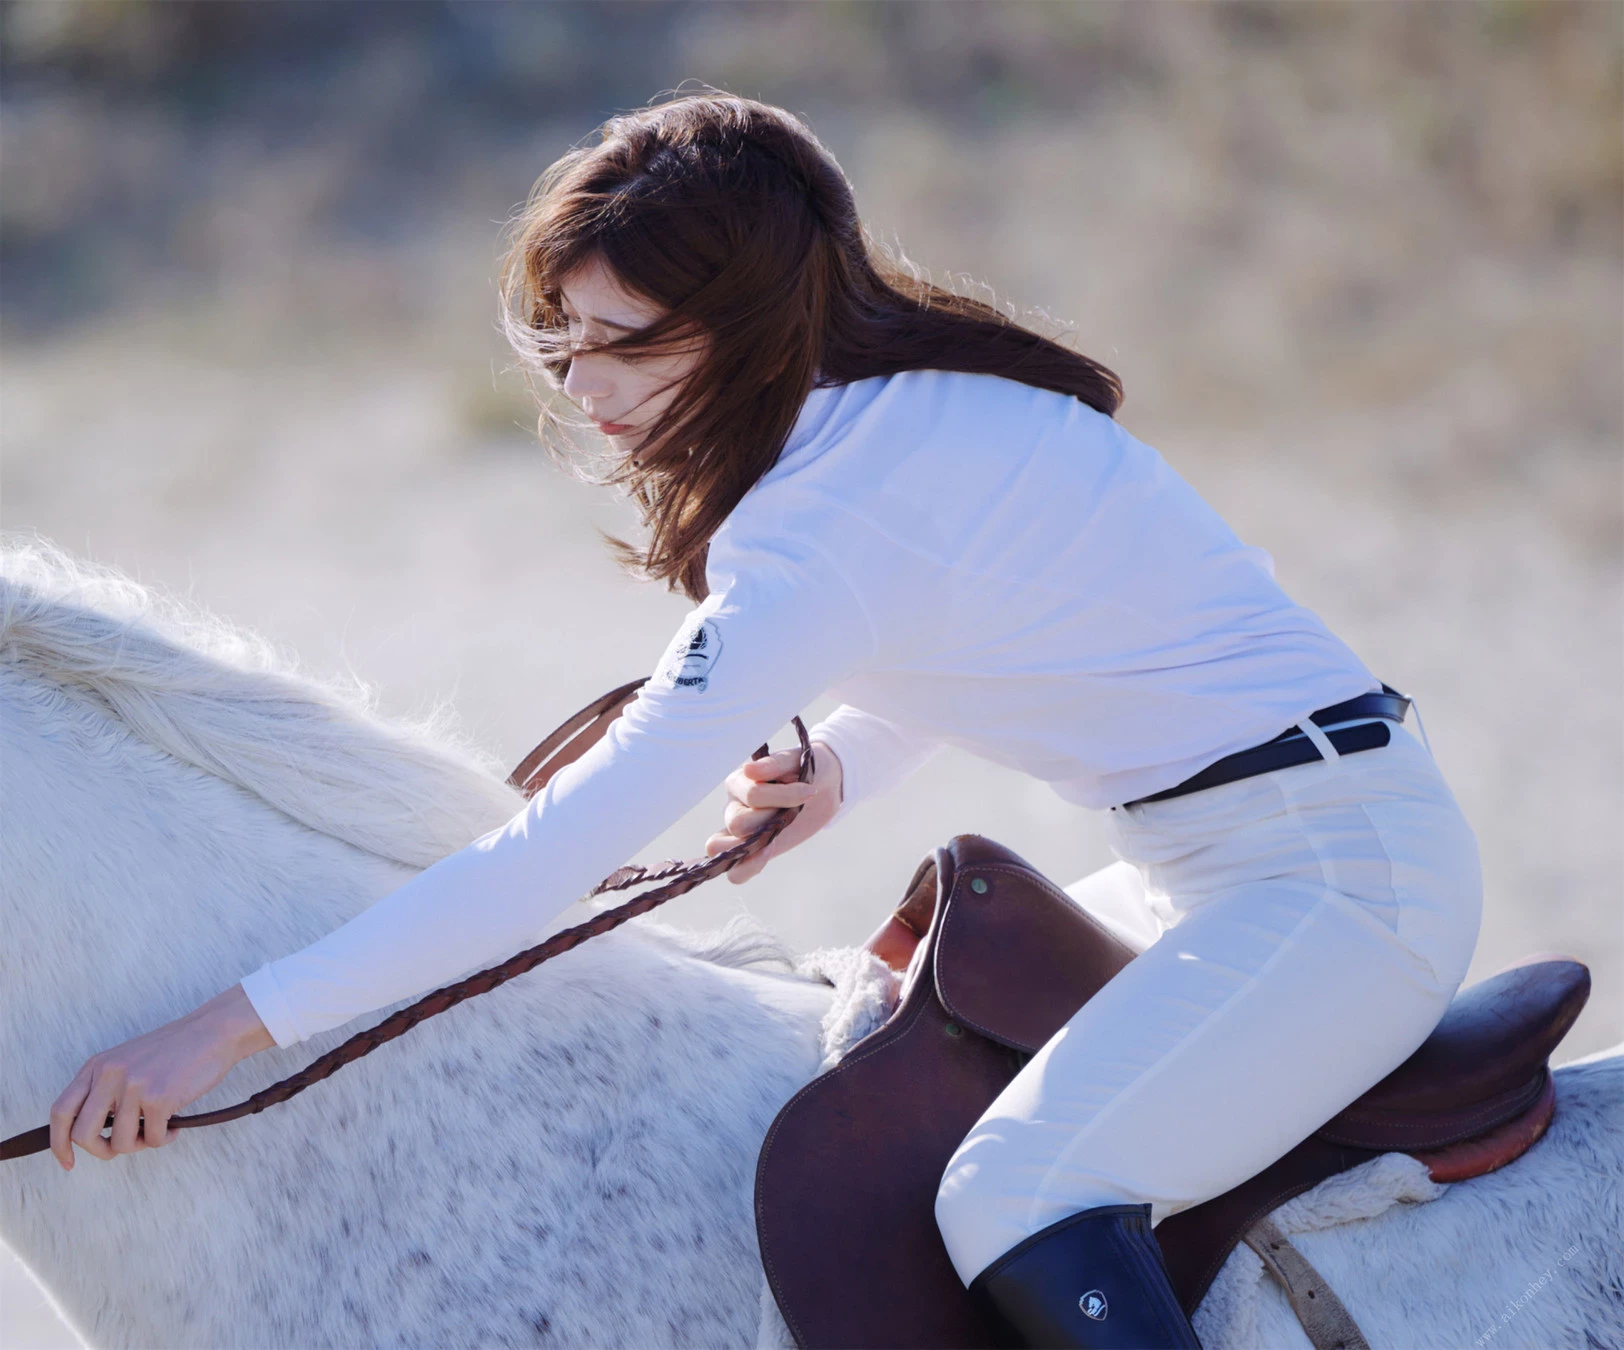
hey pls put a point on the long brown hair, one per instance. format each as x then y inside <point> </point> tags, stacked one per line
<point>731,216</point>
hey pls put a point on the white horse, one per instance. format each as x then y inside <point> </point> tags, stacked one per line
<point>565,1161</point>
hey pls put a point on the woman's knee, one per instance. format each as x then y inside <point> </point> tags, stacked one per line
<point>957,1206</point>
<point>984,1211</point>
<point>973,1217</point>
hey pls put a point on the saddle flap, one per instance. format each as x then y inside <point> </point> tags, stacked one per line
<point>847,1175</point>
<point>1015,957</point>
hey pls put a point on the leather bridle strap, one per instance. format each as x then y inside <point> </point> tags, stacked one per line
<point>586,728</point>
<point>594,718</point>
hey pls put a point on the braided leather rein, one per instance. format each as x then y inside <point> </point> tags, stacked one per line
<point>564,746</point>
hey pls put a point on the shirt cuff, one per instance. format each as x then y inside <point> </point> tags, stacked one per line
<point>272,1006</point>
<point>875,755</point>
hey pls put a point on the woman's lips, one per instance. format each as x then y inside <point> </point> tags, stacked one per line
<point>612,428</point>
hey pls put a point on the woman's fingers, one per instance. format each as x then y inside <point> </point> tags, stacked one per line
<point>92,1117</point>
<point>780,769</point>
<point>741,825</point>
<point>155,1131</point>
<point>63,1113</point>
<point>757,791</point>
<point>742,820</point>
<point>803,827</point>
<point>780,764</point>
<point>742,872</point>
<point>126,1137</point>
<point>765,795</point>
<point>738,824</point>
<point>147,1127</point>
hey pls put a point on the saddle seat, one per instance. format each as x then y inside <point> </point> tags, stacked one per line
<point>997,959</point>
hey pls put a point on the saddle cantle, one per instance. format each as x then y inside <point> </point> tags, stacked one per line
<point>847,1176</point>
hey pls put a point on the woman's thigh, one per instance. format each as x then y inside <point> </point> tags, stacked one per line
<point>1230,1039</point>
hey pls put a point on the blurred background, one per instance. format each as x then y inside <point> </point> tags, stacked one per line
<point>1358,265</point>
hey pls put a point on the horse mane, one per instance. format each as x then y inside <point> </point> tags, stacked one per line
<point>228,702</point>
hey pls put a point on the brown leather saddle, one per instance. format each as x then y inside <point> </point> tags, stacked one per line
<point>847,1176</point>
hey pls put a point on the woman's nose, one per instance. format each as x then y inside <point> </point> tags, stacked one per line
<point>586,379</point>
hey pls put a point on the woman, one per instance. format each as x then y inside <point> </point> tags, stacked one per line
<point>869,485</point>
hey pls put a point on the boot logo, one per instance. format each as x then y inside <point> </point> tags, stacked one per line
<point>1093,1305</point>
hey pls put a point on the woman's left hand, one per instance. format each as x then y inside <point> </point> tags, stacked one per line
<point>146,1080</point>
<point>759,788</point>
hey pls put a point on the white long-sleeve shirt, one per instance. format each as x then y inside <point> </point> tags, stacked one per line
<point>962,560</point>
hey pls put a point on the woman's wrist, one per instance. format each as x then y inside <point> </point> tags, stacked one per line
<point>233,1020</point>
<point>826,762</point>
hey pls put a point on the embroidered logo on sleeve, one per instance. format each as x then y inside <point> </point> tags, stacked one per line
<point>687,663</point>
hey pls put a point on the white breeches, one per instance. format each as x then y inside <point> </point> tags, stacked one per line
<point>1300,934</point>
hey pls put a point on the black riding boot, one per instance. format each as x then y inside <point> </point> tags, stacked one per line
<point>1094,1281</point>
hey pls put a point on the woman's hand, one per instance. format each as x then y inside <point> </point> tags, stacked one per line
<point>154,1076</point>
<point>758,786</point>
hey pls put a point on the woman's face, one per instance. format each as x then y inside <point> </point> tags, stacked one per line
<point>623,396</point>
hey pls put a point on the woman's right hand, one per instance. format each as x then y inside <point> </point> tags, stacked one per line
<point>144,1081</point>
<point>759,787</point>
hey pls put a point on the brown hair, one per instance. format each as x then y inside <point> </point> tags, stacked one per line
<point>731,216</point>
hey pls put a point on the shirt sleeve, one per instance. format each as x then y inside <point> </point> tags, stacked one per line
<point>784,629</point>
<point>875,754</point>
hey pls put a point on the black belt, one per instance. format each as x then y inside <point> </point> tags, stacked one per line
<point>1292,747</point>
